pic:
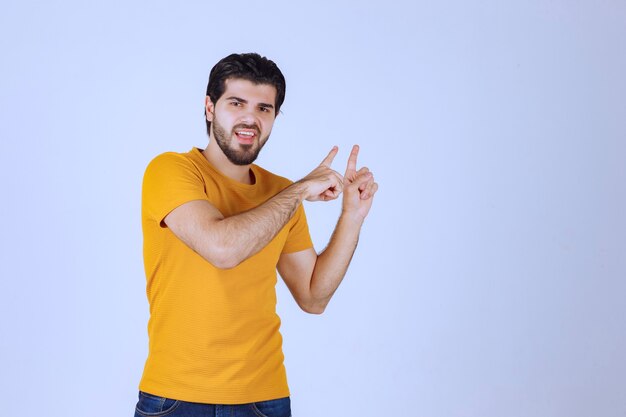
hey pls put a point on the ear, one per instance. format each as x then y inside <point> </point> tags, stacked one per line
<point>209,108</point>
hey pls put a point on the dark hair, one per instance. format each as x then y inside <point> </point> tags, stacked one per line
<point>252,67</point>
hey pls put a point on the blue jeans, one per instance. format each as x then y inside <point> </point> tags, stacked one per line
<point>153,406</point>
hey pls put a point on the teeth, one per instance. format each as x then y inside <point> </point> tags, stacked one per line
<point>246,133</point>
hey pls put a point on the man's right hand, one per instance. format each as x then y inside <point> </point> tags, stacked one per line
<point>323,183</point>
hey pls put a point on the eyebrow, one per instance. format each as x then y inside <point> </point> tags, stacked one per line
<point>246,101</point>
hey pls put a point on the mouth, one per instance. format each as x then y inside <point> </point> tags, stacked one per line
<point>246,136</point>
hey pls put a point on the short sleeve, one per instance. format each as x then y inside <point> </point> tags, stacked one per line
<point>169,181</point>
<point>298,238</point>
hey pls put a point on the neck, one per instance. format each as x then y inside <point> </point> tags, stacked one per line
<point>216,157</point>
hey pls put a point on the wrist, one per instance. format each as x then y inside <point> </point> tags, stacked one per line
<point>299,189</point>
<point>352,218</point>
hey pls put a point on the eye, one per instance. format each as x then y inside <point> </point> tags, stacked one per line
<point>236,104</point>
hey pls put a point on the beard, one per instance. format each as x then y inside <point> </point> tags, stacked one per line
<point>245,154</point>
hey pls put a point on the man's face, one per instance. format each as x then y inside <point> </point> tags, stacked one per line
<point>242,119</point>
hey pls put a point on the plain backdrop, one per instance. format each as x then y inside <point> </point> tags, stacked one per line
<point>490,275</point>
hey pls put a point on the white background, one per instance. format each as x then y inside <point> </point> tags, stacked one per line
<point>490,275</point>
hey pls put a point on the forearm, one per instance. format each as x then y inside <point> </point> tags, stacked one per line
<point>332,263</point>
<point>243,235</point>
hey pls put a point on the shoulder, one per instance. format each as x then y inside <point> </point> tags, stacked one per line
<point>170,162</point>
<point>169,158</point>
<point>171,169</point>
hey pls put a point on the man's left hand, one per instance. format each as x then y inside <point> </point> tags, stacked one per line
<point>359,188</point>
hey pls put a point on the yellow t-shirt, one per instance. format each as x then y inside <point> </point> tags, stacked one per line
<point>214,333</point>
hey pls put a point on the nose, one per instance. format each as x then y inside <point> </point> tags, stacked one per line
<point>248,117</point>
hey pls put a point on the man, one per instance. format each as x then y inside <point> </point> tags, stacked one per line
<point>216,229</point>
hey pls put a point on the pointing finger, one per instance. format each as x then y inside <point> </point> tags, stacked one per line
<point>331,155</point>
<point>352,160</point>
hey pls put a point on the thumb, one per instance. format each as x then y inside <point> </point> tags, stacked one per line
<point>331,155</point>
<point>362,179</point>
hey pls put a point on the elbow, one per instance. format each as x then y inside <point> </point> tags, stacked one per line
<point>313,308</point>
<point>221,258</point>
